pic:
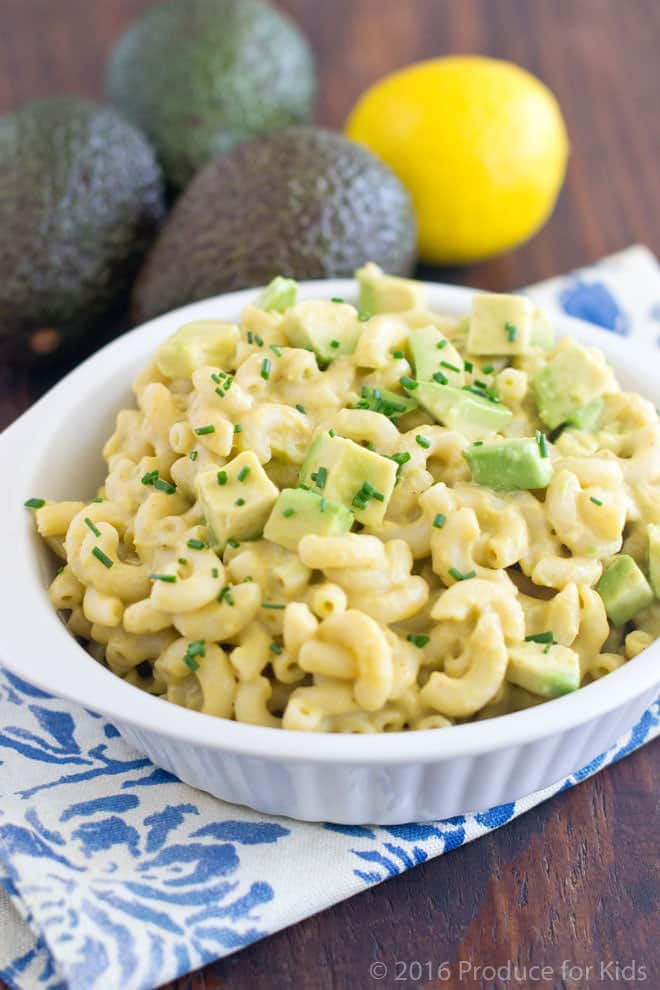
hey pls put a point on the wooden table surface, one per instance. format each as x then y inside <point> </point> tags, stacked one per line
<point>573,882</point>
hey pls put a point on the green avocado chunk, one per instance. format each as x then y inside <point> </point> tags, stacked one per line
<point>330,329</point>
<point>624,589</point>
<point>463,411</point>
<point>509,464</point>
<point>381,293</point>
<point>432,354</point>
<point>236,500</point>
<point>350,474</point>
<point>194,345</point>
<point>500,324</point>
<point>278,294</point>
<point>654,557</point>
<point>548,674</point>
<point>298,512</point>
<point>574,377</point>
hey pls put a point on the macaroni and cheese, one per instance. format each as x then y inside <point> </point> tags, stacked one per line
<point>369,518</point>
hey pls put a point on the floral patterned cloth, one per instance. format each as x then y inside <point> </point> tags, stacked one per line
<point>113,874</point>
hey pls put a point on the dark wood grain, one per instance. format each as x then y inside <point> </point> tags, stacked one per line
<point>575,879</point>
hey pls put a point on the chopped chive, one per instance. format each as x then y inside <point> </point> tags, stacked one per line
<point>275,648</point>
<point>398,355</point>
<point>226,595</point>
<point>243,473</point>
<point>448,366</point>
<point>511,331</point>
<point>238,428</point>
<point>440,378</point>
<point>258,340</point>
<point>250,337</point>
<point>401,458</point>
<point>265,369</point>
<point>487,369</point>
<point>105,560</point>
<point>276,349</point>
<point>149,478</point>
<point>418,640</point>
<point>222,477</point>
<point>477,443</point>
<point>34,503</point>
<point>97,499</point>
<point>301,409</point>
<point>595,500</point>
<point>408,383</point>
<point>331,433</point>
<point>321,477</point>
<point>543,637</point>
<point>480,384</point>
<point>422,441</point>
<point>335,344</point>
<point>337,299</point>
<point>196,544</point>
<point>215,377</point>
<point>218,391</point>
<point>359,502</point>
<point>289,512</point>
<point>239,502</point>
<point>193,455</point>
<point>469,367</point>
<point>233,543</point>
<point>195,649</point>
<point>457,576</point>
<point>202,431</point>
<point>272,605</point>
<point>182,561</point>
<point>371,446</point>
<point>88,522</point>
<point>164,486</point>
<point>165,578</point>
<point>60,569</point>
<point>541,441</point>
<point>442,344</point>
<point>440,520</point>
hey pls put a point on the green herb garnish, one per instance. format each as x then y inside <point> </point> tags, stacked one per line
<point>440,520</point>
<point>34,503</point>
<point>90,525</point>
<point>103,557</point>
<point>222,477</point>
<point>542,637</point>
<point>165,578</point>
<point>511,331</point>
<point>418,640</point>
<point>265,369</point>
<point>272,605</point>
<point>422,441</point>
<point>202,431</point>
<point>457,576</point>
<point>243,473</point>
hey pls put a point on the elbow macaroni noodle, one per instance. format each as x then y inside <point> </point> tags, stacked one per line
<point>408,625</point>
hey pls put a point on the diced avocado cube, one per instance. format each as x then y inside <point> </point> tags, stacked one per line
<point>432,354</point>
<point>345,472</point>
<point>543,334</point>
<point>654,557</point>
<point>509,464</point>
<point>624,589</point>
<point>463,411</point>
<point>574,377</point>
<point>381,293</point>
<point>586,417</point>
<point>298,512</point>
<point>548,674</point>
<point>330,329</point>
<point>500,324</point>
<point>381,400</point>
<point>236,500</point>
<point>278,295</point>
<point>194,345</point>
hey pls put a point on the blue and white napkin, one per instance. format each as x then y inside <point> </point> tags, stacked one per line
<point>113,875</point>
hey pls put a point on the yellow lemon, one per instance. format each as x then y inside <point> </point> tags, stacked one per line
<point>480,144</point>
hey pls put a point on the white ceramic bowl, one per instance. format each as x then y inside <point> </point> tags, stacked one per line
<point>54,449</point>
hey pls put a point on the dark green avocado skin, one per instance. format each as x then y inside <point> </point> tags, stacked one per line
<point>81,198</point>
<point>198,76</point>
<point>303,202</point>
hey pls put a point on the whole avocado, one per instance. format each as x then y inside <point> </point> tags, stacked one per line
<point>198,76</point>
<point>81,197</point>
<point>303,202</point>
